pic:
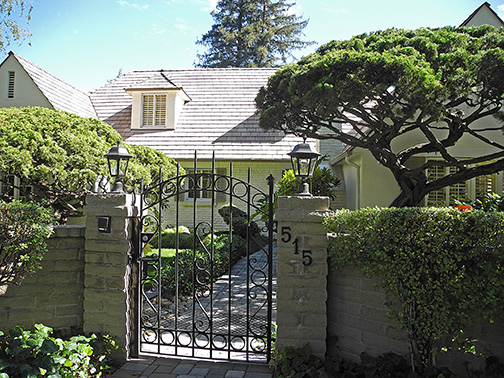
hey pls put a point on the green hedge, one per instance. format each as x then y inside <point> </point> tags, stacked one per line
<point>24,229</point>
<point>443,266</point>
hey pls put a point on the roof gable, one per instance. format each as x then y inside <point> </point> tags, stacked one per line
<point>483,15</point>
<point>60,94</point>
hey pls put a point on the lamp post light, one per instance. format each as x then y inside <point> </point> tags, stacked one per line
<point>118,159</point>
<point>304,159</point>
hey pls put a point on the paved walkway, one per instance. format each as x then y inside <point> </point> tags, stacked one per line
<point>178,367</point>
<point>171,368</point>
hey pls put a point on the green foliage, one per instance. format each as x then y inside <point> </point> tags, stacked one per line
<point>24,229</point>
<point>15,17</point>
<point>252,33</point>
<point>489,202</point>
<point>323,183</point>
<point>169,238</point>
<point>300,363</point>
<point>198,262</point>
<point>428,87</point>
<point>31,354</point>
<point>60,155</point>
<point>443,267</point>
<point>239,222</point>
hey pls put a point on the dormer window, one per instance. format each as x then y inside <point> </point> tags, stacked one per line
<point>157,103</point>
<point>153,110</point>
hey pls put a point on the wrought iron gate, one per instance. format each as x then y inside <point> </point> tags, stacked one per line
<point>201,302</point>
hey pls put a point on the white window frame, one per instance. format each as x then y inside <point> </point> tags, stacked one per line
<point>188,197</point>
<point>471,189</point>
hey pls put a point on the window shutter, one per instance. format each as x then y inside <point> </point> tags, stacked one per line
<point>148,110</point>
<point>457,191</point>
<point>160,113</point>
<point>436,197</point>
<point>221,184</point>
<point>485,185</point>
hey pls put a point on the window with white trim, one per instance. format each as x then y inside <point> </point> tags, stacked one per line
<point>154,110</point>
<point>204,184</point>
<point>10,85</point>
<point>471,189</point>
<point>13,187</point>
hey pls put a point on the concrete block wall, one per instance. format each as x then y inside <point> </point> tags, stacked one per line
<point>53,295</point>
<point>358,322</point>
<point>302,276</point>
<point>109,279</point>
<point>357,317</point>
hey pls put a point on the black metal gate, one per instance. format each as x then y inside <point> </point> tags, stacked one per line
<point>206,290</point>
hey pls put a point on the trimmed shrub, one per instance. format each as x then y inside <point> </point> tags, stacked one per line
<point>59,156</point>
<point>443,267</point>
<point>200,262</point>
<point>24,229</point>
<point>240,222</point>
<point>169,238</point>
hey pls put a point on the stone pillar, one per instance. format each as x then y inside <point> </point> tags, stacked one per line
<point>108,283</point>
<point>302,273</point>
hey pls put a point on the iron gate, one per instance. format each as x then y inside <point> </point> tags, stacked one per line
<point>211,294</point>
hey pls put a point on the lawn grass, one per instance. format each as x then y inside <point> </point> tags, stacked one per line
<point>165,252</point>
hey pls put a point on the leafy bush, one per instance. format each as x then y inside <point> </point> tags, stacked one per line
<point>443,267</point>
<point>24,229</point>
<point>59,155</point>
<point>25,353</point>
<point>187,260</point>
<point>323,183</point>
<point>240,221</point>
<point>169,238</point>
<point>489,202</point>
<point>300,363</point>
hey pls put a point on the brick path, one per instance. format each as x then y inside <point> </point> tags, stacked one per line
<point>173,367</point>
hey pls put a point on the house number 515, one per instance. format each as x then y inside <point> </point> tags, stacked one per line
<point>305,253</point>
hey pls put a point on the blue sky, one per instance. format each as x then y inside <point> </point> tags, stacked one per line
<point>86,42</point>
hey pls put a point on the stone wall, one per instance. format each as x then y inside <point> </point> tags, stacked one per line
<point>358,322</point>
<point>302,273</point>
<point>53,295</point>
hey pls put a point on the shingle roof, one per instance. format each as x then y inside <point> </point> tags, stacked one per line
<point>60,94</point>
<point>220,116</point>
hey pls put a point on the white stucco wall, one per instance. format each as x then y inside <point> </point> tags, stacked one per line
<point>373,185</point>
<point>26,92</point>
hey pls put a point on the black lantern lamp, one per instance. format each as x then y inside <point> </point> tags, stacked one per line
<point>304,159</point>
<point>118,158</point>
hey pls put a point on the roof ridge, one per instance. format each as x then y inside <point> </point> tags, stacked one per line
<point>19,57</point>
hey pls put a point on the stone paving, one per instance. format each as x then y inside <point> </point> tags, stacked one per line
<point>173,367</point>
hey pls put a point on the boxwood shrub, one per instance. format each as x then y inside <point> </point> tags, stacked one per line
<point>443,266</point>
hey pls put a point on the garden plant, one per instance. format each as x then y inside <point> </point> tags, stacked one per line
<point>444,269</point>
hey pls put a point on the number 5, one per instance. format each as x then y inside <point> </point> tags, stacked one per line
<point>286,235</point>
<point>307,259</point>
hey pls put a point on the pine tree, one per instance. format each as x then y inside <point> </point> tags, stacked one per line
<point>252,33</point>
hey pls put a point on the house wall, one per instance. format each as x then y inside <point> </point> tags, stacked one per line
<point>259,173</point>
<point>484,17</point>
<point>53,295</point>
<point>26,93</point>
<point>371,184</point>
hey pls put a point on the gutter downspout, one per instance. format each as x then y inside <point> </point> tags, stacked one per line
<point>357,196</point>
